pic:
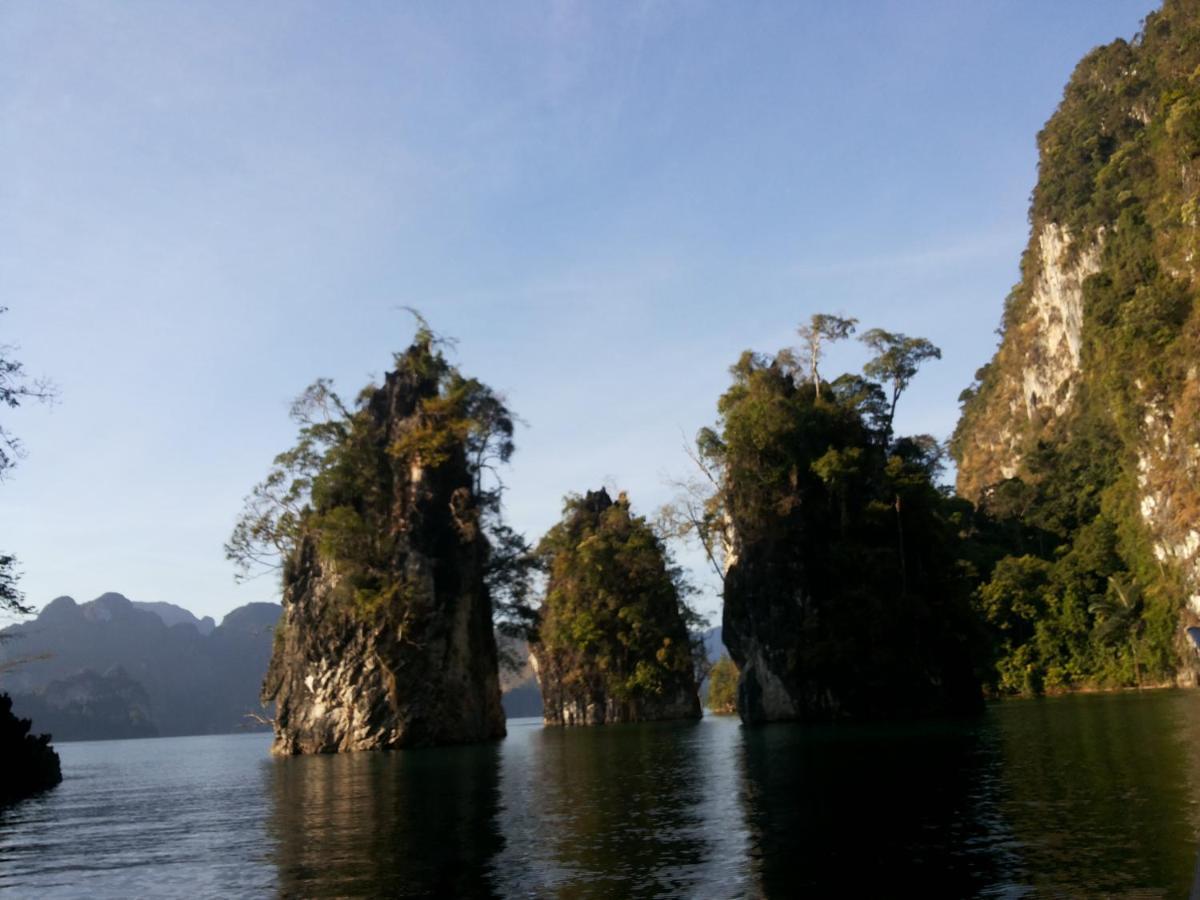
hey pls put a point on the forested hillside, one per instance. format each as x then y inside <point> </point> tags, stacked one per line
<point>1081,437</point>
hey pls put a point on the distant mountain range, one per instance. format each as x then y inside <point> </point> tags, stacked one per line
<point>714,645</point>
<point>176,615</point>
<point>113,668</point>
<point>116,668</point>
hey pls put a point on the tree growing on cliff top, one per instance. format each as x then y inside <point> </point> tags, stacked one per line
<point>897,359</point>
<point>821,329</point>
<point>697,511</point>
<point>333,482</point>
<point>844,593</point>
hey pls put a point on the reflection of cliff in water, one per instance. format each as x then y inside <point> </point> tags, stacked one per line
<point>622,811</point>
<point>1100,791</point>
<point>414,823</point>
<point>1083,795</point>
<point>856,811</point>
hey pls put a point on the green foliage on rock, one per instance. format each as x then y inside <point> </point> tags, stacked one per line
<point>615,626</point>
<point>1119,174</point>
<point>848,585</point>
<point>722,686</point>
<point>338,483</point>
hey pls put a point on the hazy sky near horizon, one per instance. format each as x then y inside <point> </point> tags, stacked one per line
<point>203,207</point>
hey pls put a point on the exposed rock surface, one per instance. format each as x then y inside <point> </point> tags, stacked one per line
<point>418,671</point>
<point>1168,474</point>
<point>1104,327</point>
<point>1038,364</point>
<point>591,704</point>
<point>805,655</point>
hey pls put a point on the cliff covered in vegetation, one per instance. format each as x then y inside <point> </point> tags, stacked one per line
<point>382,515</point>
<point>1081,437</point>
<point>612,638</point>
<point>844,589</point>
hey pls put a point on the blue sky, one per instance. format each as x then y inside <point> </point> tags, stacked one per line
<point>203,207</point>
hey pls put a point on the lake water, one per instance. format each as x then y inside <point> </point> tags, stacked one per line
<point>1079,795</point>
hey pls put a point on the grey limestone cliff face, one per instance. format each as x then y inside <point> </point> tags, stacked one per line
<point>752,624</point>
<point>1039,361</point>
<point>1106,324</point>
<point>418,671</point>
<point>565,703</point>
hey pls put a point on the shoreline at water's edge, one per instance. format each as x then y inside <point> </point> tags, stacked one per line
<point>1092,689</point>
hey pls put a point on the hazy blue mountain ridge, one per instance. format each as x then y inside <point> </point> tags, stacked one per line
<point>196,680</point>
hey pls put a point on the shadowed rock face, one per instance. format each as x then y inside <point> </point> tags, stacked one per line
<point>89,706</point>
<point>573,705</point>
<point>420,669</point>
<point>763,636</point>
<point>30,764</point>
<point>809,649</point>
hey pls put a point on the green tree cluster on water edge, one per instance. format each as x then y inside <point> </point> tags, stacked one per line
<point>722,686</point>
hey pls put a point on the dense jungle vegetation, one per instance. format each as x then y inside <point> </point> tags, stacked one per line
<point>1078,597</point>
<point>846,568</point>
<point>614,621</point>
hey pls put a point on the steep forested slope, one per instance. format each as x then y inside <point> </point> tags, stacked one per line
<point>1081,437</point>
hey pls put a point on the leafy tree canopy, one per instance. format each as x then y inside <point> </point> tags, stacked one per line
<point>336,482</point>
<point>614,620</point>
<point>722,686</point>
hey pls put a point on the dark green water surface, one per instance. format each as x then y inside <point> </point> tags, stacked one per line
<point>1076,796</point>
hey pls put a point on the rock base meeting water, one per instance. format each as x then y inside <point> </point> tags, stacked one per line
<point>1081,795</point>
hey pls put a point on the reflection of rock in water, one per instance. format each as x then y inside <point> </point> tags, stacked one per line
<point>409,823</point>
<point>1099,791</point>
<point>622,811</point>
<point>864,812</point>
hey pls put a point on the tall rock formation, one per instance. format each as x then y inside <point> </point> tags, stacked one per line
<point>386,637</point>
<point>1088,416</point>
<point>613,643</point>
<point>844,593</point>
